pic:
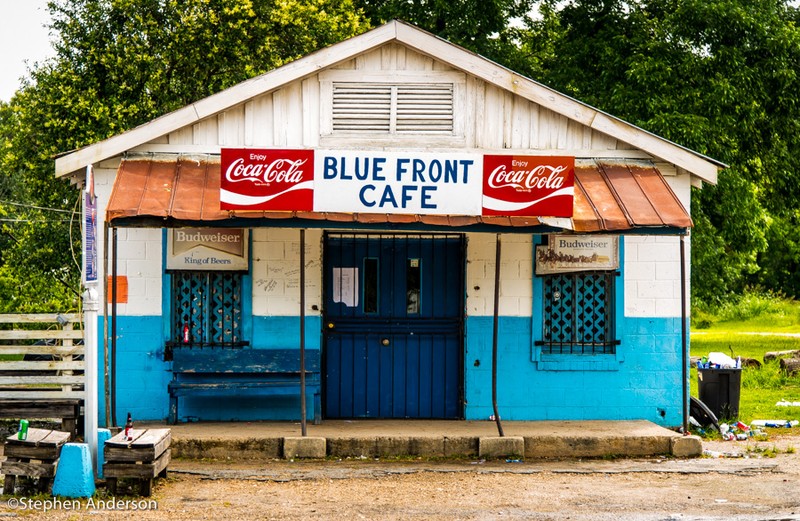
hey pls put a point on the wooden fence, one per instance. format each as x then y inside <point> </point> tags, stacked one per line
<point>41,357</point>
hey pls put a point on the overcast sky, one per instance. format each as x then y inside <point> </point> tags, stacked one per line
<point>22,38</point>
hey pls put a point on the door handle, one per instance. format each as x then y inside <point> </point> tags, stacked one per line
<point>385,341</point>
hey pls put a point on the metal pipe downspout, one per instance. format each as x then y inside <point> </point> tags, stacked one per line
<point>684,343</point>
<point>495,329</point>
<point>303,332</point>
<point>113,378</point>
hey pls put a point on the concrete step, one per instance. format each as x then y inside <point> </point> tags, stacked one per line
<point>249,441</point>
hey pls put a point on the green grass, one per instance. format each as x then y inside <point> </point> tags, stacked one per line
<point>729,329</point>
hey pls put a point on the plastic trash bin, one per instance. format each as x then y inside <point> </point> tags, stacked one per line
<point>719,389</point>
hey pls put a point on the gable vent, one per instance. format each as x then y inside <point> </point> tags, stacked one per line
<point>393,109</point>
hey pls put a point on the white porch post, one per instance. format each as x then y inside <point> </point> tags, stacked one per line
<point>90,308</point>
<point>91,305</point>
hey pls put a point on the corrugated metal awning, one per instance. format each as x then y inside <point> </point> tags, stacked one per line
<point>610,196</point>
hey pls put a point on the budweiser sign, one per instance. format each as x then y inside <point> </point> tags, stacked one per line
<point>255,179</point>
<point>528,185</point>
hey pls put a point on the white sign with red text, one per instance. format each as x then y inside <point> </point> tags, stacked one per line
<point>354,181</point>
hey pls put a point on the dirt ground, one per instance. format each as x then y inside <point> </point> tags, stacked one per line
<point>752,481</point>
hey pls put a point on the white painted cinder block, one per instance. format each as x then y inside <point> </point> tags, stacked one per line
<point>516,274</point>
<point>143,271</point>
<point>653,276</point>
<point>276,277</point>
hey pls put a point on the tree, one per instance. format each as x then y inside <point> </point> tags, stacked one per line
<point>717,76</point>
<point>487,27</point>
<point>118,64</point>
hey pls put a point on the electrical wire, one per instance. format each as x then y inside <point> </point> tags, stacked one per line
<point>12,203</point>
<point>35,220</point>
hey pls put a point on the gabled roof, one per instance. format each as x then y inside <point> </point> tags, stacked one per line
<point>423,42</point>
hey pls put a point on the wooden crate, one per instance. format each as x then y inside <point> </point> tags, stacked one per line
<point>34,457</point>
<point>143,458</point>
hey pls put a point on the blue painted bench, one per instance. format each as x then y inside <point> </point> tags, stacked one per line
<point>214,371</point>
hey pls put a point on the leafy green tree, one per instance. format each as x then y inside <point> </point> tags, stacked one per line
<point>717,76</point>
<point>118,64</point>
<point>487,27</point>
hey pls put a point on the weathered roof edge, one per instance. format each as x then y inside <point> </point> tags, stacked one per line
<point>426,43</point>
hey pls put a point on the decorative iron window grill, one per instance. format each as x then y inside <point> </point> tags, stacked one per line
<point>578,313</point>
<point>207,309</point>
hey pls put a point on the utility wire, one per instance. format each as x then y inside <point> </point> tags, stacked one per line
<point>37,207</point>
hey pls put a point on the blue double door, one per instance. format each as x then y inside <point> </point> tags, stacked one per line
<point>393,326</point>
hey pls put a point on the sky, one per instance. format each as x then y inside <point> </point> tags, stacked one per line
<point>23,38</point>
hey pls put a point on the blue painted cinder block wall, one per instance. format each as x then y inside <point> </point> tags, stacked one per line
<point>642,381</point>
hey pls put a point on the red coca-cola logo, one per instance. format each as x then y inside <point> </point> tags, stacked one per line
<point>266,179</point>
<point>528,185</point>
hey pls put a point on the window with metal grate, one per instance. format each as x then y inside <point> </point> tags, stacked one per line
<point>207,308</point>
<point>578,313</point>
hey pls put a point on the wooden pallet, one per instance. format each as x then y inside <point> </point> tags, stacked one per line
<point>34,457</point>
<point>144,457</point>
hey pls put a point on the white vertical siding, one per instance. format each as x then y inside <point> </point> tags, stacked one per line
<point>487,116</point>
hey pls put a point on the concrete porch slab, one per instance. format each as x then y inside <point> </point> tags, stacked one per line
<point>427,438</point>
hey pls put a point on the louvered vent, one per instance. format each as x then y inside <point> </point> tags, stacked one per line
<point>393,109</point>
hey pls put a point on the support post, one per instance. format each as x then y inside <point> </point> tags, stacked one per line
<point>495,332</point>
<point>90,307</point>
<point>106,390</point>
<point>303,332</point>
<point>684,343</point>
<point>113,379</point>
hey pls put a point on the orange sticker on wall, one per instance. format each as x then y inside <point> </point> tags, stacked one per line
<point>122,289</point>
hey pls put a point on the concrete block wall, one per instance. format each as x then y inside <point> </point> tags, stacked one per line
<point>516,274</point>
<point>653,276</point>
<point>276,272</point>
<point>640,381</point>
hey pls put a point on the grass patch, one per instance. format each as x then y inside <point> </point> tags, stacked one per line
<point>754,311</point>
<point>750,326</point>
<point>761,387</point>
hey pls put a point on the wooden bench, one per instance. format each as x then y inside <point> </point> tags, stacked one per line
<point>35,457</point>
<point>213,371</point>
<point>143,457</point>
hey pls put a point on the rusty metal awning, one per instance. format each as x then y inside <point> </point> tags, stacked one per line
<point>610,196</point>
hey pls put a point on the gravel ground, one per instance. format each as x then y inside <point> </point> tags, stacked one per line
<point>753,481</point>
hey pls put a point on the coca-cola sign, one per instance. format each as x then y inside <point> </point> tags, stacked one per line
<point>273,179</point>
<point>396,182</point>
<point>528,185</point>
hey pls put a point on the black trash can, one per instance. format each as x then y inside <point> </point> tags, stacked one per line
<point>719,389</point>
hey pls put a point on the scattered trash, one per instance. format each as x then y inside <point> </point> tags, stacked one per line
<point>513,461</point>
<point>717,454</point>
<point>775,423</point>
<point>787,404</point>
<point>717,360</point>
<point>492,418</point>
